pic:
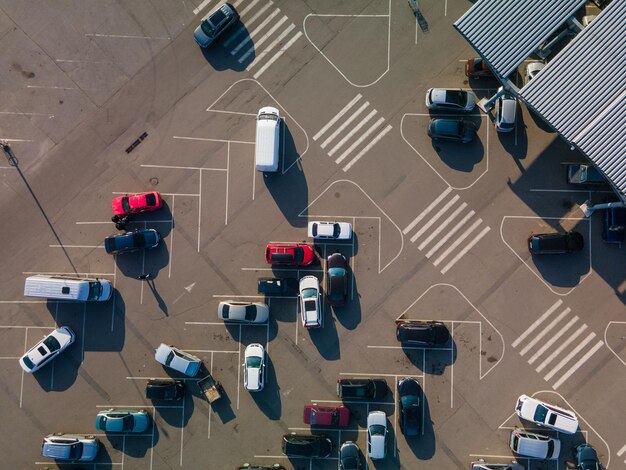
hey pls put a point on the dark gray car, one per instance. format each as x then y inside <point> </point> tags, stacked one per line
<point>458,130</point>
<point>349,456</point>
<point>132,241</point>
<point>215,24</point>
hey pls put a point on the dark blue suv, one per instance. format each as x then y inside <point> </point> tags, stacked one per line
<point>614,230</point>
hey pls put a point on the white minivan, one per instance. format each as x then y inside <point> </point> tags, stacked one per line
<point>267,139</point>
<point>81,289</point>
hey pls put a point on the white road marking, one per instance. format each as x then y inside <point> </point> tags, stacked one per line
<point>253,33</point>
<point>553,339</point>
<point>537,322</point>
<point>358,142</point>
<point>374,141</point>
<point>426,211</point>
<point>621,451</point>
<point>458,241</point>
<point>50,116</point>
<point>338,116</point>
<point>558,350</point>
<point>443,225</point>
<point>201,6</point>
<point>544,331</point>
<point>207,140</point>
<point>52,87</point>
<point>122,36</point>
<point>468,247</point>
<point>569,357</point>
<point>76,246</point>
<point>435,217</point>
<point>280,52</point>
<point>265,37</point>
<point>345,124</point>
<point>577,365</point>
<point>271,46</point>
<point>248,8</point>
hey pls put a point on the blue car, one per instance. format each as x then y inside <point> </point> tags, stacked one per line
<point>587,457</point>
<point>614,225</point>
<point>132,241</point>
<point>213,25</point>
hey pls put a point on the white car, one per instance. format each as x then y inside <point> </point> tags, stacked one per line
<point>310,300</point>
<point>254,368</point>
<point>47,349</point>
<point>544,414</point>
<point>533,69</point>
<point>376,435</point>
<point>330,230</point>
<point>230,310</point>
<point>506,109</point>
<point>178,360</point>
<point>450,99</point>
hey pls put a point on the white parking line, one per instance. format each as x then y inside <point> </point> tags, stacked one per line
<point>238,366</point>
<point>122,36</point>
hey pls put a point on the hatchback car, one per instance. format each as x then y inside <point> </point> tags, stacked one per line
<point>303,445</point>
<point>337,280</point>
<point>164,389</point>
<point>447,99</point>
<point>330,230</point>
<point>506,109</point>
<point>544,414</point>
<point>47,349</point>
<point>410,404</point>
<point>422,333</point>
<point>361,389</point>
<point>349,456</point>
<point>214,24</point>
<point>336,416</point>
<point>376,435</point>
<point>177,359</point>
<point>310,300</point>
<point>480,464</point>
<point>248,312</point>
<point>554,243</point>
<point>254,368</point>
<point>277,286</point>
<point>534,445</point>
<point>115,420</point>
<point>477,68</point>
<point>587,457</point>
<point>132,241</point>
<point>533,69</point>
<point>289,254</point>
<point>458,130</point>
<point>135,203</point>
<point>70,447</point>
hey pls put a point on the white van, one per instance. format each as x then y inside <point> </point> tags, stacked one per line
<point>267,139</point>
<point>81,289</point>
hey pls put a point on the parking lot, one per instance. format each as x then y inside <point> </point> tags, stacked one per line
<point>118,98</point>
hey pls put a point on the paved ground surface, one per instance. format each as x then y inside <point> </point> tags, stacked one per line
<point>440,233</point>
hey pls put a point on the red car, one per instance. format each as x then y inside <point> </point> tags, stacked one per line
<point>317,415</point>
<point>289,254</point>
<point>136,203</point>
<point>477,68</point>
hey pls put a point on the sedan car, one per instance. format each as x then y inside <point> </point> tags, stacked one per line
<point>349,456</point>
<point>177,359</point>
<point>164,389</point>
<point>135,203</point>
<point>289,254</point>
<point>544,414</point>
<point>214,24</point>
<point>114,420</point>
<point>248,312</point>
<point>303,445</point>
<point>132,241</point>
<point>310,300</point>
<point>337,280</point>
<point>410,404</point>
<point>330,230</point>
<point>477,68</point>
<point>376,435</point>
<point>447,99</point>
<point>480,464</point>
<point>506,109</point>
<point>47,349</point>
<point>336,416</point>
<point>533,69</point>
<point>587,457</point>
<point>277,286</point>
<point>458,130</point>
<point>254,368</point>
<point>361,389</point>
<point>422,333</point>
<point>553,243</point>
<point>70,447</point>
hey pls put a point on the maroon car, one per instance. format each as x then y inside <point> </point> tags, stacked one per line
<point>317,415</point>
<point>477,68</point>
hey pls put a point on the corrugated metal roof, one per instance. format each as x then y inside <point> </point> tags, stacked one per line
<point>505,32</point>
<point>582,92</point>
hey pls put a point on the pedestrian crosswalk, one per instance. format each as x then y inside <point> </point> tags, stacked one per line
<point>352,132</point>
<point>261,38</point>
<point>561,344</point>
<point>448,230</point>
<point>620,452</point>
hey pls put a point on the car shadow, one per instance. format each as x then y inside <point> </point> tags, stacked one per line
<point>424,445</point>
<point>459,156</point>
<point>103,458</point>
<point>515,143</point>
<point>227,54</point>
<point>268,400</point>
<point>170,411</point>
<point>131,445</point>
<point>326,339</point>
<point>349,315</point>
<point>431,360</point>
<point>222,406</point>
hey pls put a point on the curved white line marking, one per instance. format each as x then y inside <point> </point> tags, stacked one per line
<point>607,343</point>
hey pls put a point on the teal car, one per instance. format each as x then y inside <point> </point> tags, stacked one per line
<point>123,421</point>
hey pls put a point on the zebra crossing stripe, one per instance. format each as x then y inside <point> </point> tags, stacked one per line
<point>448,235</point>
<point>469,246</point>
<point>426,211</point>
<point>237,3</point>
<point>280,52</point>
<point>345,124</point>
<point>367,147</point>
<point>621,451</point>
<point>356,128</point>
<point>558,350</point>
<point>443,225</point>
<point>579,363</point>
<point>536,323</point>
<point>274,43</point>
<point>434,218</point>
<point>567,358</point>
<point>256,30</point>
<point>248,8</point>
<point>553,339</point>
<point>338,116</point>
<point>201,6</point>
<point>545,331</point>
<point>458,241</point>
<point>233,36</point>
<point>262,39</point>
<point>358,142</point>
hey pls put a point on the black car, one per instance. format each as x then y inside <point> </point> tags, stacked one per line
<point>277,286</point>
<point>552,243</point>
<point>247,466</point>
<point>349,458</point>
<point>337,280</point>
<point>410,403</point>
<point>164,389</point>
<point>132,241</point>
<point>422,333</point>
<point>361,389</point>
<point>587,457</point>
<point>458,130</point>
<point>303,445</point>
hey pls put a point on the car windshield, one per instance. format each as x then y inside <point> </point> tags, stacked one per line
<point>457,97</point>
<point>208,28</point>
<point>27,362</point>
<point>52,343</point>
<point>309,293</point>
<point>298,254</point>
<point>541,413</point>
<point>150,199</point>
<point>254,362</point>
<point>125,204</point>
<point>377,430</point>
<point>95,290</point>
<point>410,400</point>
<point>127,422</point>
<point>139,239</point>
<point>336,230</point>
<point>267,117</point>
<point>169,358</point>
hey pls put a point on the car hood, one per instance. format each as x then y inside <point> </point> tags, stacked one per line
<point>201,38</point>
<point>376,418</point>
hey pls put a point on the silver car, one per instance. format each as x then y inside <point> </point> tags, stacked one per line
<point>247,312</point>
<point>70,447</point>
<point>214,24</point>
<point>177,359</point>
<point>450,99</point>
<point>47,349</point>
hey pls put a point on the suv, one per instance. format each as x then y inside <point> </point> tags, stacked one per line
<point>552,243</point>
<point>506,108</point>
<point>310,299</point>
<point>132,241</point>
<point>547,415</point>
<point>164,389</point>
<point>361,389</point>
<point>422,333</point>
<point>311,446</point>
<point>534,445</point>
<point>214,24</point>
<point>458,130</point>
<point>72,447</point>
<point>614,222</point>
<point>587,457</point>
<point>289,254</point>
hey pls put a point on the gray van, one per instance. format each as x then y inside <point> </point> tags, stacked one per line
<point>81,289</point>
<point>70,447</point>
<point>267,139</point>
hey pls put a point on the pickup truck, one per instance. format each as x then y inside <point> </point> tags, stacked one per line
<point>578,173</point>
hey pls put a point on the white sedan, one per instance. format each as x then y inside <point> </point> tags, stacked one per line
<point>376,435</point>
<point>254,367</point>
<point>178,360</point>
<point>310,299</point>
<point>547,415</point>
<point>47,349</point>
<point>330,230</point>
